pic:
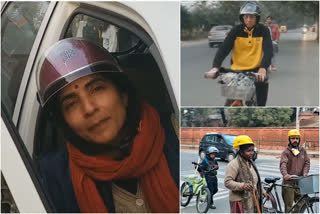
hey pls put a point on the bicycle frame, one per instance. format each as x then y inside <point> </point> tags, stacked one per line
<point>195,184</point>
<point>274,186</point>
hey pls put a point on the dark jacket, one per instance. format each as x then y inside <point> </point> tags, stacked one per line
<point>209,166</point>
<point>55,174</point>
<point>251,49</point>
<point>294,165</point>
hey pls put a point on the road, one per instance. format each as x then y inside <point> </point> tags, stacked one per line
<point>295,83</point>
<point>267,166</point>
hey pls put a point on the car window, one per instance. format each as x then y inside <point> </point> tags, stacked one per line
<point>209,138</point>
<point>111,37</point>
<point>229,139</point>
<point>20,23</point>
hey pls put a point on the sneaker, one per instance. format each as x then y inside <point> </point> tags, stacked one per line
<point>273,68</point>
<point>212,206</point>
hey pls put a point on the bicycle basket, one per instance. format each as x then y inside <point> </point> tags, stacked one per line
<point>237,86</point>
<point>309,184</point>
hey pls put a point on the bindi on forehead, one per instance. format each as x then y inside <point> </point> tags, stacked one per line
<point>76,87</point>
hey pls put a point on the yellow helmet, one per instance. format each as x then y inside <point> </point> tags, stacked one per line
<point>241,140</point>
<point>293,132</point>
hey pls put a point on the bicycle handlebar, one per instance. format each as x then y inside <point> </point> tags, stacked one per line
<point>223,70</point>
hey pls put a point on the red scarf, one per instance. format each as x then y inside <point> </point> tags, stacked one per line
<point>146,162</point>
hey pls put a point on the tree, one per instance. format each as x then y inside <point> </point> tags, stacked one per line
<point>185,18</point>
<point>259,117</point>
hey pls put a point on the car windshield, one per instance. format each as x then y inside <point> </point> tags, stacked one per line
<point>229,139</point>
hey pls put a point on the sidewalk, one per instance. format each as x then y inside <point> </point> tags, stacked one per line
<point>311,154</point>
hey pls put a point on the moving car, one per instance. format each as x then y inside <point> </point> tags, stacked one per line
<point>217,34</point>
<point>140,44</point>
<point>224,143</point>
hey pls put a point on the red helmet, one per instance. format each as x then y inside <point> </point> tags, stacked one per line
<point>68,60</point>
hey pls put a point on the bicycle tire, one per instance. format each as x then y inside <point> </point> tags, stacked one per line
<point>204,191</point>
<point>272,202</point>
<point>188,198</point>
<point>311,202</point>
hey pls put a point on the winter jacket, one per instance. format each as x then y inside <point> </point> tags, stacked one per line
<point>251,49</point>
<point>210,166</point>
<point>294,165</point>
<point>232,181</point>
<point>275,31</point>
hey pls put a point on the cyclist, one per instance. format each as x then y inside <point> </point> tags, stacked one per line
<point>105,163</point>
<point>275,36</point>
<point>242,178</point>
<point>210,165</point>
<point>294,161</point>
<point>252,49</point>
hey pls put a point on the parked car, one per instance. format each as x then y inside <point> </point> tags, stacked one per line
<point>223,142</point>
<point>217,34</point>
<point>140,44</point>
<point>283,28</point>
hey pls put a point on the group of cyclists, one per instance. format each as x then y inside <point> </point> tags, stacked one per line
<point>242,176</point>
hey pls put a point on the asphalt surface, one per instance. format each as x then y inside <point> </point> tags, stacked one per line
<point>267,166</point>
<point>295,83</point>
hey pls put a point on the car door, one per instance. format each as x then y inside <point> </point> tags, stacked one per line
<point>19,181</point>
<point>22,26</point>
<point>223,149</point>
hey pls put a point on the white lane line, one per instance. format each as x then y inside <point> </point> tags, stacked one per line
<point>215,198</point>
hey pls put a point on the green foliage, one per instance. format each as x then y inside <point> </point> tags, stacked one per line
<point>202,15</point>
<point>259,117</point>
<point>199,117</point>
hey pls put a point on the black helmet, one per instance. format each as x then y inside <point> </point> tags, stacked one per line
<point>251,8</point>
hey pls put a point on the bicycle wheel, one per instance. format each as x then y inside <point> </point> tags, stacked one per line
<point>313,206</point>
<point>269,205</point>
<point>185,194</point>
<point>203,200</point>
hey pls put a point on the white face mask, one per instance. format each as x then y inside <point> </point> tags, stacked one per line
<point>295,152</point>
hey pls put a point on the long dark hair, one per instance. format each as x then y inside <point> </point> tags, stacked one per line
<point>126,134</point>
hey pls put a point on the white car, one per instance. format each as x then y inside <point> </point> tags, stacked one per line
<point>135,32</point>
<point>217,34</point>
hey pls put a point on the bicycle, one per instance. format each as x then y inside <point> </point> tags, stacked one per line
<point>195,186</point>
<point>307,185</point>
<point>239,87</point>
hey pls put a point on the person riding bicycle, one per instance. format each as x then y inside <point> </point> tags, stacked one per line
<point>242,178</point>
<point>210,166</point>
<point>252,49</point>
<point>275,36</point>
<point>294,161</point>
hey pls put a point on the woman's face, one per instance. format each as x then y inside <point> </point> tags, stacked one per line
<point>249,152</point>
<point>93,108</point>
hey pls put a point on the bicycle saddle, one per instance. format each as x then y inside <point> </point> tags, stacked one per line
<point>271,179</point>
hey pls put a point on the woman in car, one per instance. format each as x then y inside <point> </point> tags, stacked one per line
<point>242,178</point>
<point>113,159</point>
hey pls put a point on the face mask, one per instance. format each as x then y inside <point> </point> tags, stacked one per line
<point>295,152</point>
